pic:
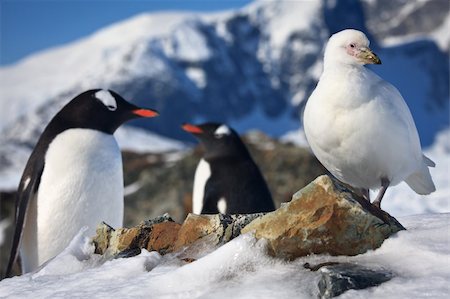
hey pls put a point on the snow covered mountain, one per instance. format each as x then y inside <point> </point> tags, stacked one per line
<point>252,68</point>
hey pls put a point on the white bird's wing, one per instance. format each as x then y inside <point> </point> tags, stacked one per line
<point>401,111</point>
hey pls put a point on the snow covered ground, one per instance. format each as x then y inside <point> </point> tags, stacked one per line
<point>418,257</point>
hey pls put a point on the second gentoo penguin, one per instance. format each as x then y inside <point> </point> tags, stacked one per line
<point>227,180</point>
<point>73,177</point>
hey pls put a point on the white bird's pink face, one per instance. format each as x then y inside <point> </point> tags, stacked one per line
<point>350,47</point>
<point>361,53</point>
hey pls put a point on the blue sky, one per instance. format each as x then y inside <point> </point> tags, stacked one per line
<point>27,26</point>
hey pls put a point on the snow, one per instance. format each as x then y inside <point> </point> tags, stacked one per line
<point>188,44</point>
<point>143,141</point>
<point>442,36</point>
<point>273,126</point>
<point>197,75</point>
<point>418,257</point>
<point>108,45</point>
<point>296,16</point>
<point>296,137</point>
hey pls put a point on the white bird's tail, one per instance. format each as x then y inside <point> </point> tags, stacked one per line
<point>421,181</point>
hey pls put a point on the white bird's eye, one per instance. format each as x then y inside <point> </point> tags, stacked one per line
<point>352,45</point>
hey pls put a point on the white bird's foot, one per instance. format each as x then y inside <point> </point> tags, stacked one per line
<point>384,185</point>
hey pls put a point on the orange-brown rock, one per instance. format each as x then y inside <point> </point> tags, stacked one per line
<point>324,217</point>
<point>213,229</point>
<point>163,236</point>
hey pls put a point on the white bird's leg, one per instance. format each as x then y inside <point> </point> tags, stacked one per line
<point>384,185</point>
<point>365,194</point>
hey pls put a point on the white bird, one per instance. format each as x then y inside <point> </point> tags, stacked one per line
<point>359,126</point>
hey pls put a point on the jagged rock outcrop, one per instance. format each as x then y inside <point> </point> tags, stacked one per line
<point>325,217</point>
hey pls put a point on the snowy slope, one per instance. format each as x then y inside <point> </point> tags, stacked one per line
<point>418,257</point>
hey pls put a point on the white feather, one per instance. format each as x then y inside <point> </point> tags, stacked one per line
<point>222,205</point>
<point>107,99</point>
<point>81,185</point>
<point>222,130</point>
<point>202,174</point>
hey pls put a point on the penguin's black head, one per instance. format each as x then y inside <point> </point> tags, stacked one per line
<point>102,110</point>
<point>219,140</point>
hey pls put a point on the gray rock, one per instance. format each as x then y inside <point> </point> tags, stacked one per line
<point>337,278</point>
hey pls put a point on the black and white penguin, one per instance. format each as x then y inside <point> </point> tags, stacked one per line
<point>227,180</point>
<point>73,177</point>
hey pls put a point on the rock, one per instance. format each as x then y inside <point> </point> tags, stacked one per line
<point>338,278</point>
<point>325,217</point>
<point>163,237</point>
<point>158,234</point>
<point>217,229</point>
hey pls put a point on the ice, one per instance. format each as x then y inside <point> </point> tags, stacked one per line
<point>418,257</point>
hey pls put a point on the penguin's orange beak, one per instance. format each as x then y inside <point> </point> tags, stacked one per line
<point>145,112</point>
<point>192,129</point>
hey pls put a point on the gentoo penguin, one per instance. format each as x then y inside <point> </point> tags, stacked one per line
<point>359,126</point>
<point>73,177</point>
<point>227,180</point>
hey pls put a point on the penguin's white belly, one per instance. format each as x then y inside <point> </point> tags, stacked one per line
<point>202,174</point>
<point>81,185</point>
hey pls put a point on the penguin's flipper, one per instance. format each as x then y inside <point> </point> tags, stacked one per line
<point>210,198</point>
<point>28,187</point>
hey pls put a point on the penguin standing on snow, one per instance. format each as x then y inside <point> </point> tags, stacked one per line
<point>73,177</point>
<point>227,180</point>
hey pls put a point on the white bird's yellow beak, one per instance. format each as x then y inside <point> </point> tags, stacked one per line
<point>367,56</point>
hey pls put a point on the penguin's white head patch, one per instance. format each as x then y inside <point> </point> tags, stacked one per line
<point>222,131</point>
<point>107,99</point>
